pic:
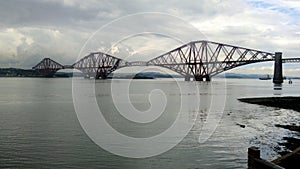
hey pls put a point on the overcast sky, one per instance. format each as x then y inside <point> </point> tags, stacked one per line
<point>33,29</point>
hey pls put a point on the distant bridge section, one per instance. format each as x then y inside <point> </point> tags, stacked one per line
<point>136,63</point>
<point>48,67</point>
<point>204,59</point>
<point>290,60</point>
<point>98,65</point>
<point>68,67</point>
<point>199,60</point>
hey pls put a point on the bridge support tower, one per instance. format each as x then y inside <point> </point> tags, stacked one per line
<point>102,74</point>
<point>188,77</point>
<point>207,78</point>
<point>278,78</point>
<point>198,78</point>
<point>201,78</point>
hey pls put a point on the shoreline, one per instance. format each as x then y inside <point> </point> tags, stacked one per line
<point>291,143</point>
<point>285,102</point>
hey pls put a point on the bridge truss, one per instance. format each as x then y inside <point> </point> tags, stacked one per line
<point>98,65</point>
<point>198,59</point>
<point>47,67</point>
<point>204,59</point>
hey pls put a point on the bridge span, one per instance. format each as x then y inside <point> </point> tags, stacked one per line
<point>200,60</point>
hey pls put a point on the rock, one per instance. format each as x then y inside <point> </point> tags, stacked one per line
<point>241,125</point>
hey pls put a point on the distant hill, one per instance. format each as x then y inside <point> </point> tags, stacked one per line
<point>142,75</point>
<point>240,76</point>
<point>68,74</point>
<point>15,72</point>
<point>247,76</point>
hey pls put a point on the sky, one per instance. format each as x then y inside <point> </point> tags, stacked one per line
<point>33,29</point>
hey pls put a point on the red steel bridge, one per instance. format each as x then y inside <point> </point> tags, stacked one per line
<point>200,60</point>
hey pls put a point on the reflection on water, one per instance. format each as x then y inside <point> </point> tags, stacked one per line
<point>277,89</point>
<point>39,127</point>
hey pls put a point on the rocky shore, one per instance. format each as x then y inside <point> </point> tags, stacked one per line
<point>286,102</point>
<point>289,143</point>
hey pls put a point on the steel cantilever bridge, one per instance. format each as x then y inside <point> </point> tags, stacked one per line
<point>200,60</point>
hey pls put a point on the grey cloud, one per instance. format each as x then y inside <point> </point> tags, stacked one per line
<point>87,13</point>
<point>40,13</point>
<point>234,22</point>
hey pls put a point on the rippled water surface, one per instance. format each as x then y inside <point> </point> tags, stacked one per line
<point>39,127</point>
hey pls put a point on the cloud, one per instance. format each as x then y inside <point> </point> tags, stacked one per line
<point>144,46</point>
<point>24,47</point>
<point>33,29</point>
<point>257,26</point>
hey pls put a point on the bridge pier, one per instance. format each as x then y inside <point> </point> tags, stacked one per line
<point>188,77</point>
<point>278,78</point>
<point>104,76</point>
<point>207,78</point>
<point>201,78</point>
<point>198,78</point>
<point>101,75</point>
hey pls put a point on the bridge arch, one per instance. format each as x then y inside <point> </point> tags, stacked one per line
<point>204,59</point>
<point>98,65</point>
<point>95,64</point>
<point>47,67</point>
<point>198,59</point>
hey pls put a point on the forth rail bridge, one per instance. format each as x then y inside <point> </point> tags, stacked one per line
<point>199,60</point>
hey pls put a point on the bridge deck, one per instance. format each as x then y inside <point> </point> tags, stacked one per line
<point>198,58</point>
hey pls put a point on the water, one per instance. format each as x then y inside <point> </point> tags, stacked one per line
<point>39,127</point>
